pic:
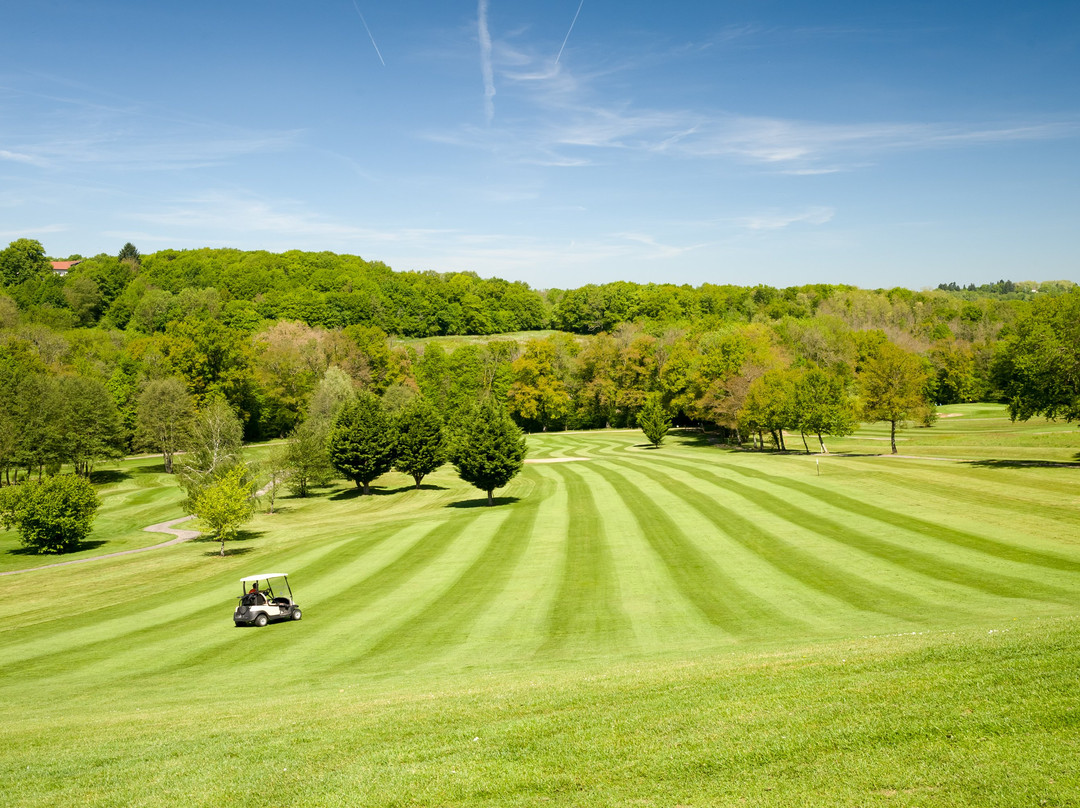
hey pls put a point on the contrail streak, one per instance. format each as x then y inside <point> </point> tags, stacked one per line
<point>567,39</point>
<point>485,59</point>
<point>369,32</point>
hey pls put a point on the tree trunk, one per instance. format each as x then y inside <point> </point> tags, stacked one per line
<point>222,545</point>
<point>783,446</point>
<point>367,488</point>
<point>819,440</point>
<point>417,480</point>
<point>491,499</point>
<point>804,443</point>
<point>892,435</point>
<point>167,457</point>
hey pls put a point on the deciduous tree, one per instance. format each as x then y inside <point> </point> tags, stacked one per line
<point>54,515</point>
<point>226,503</point>
<point>164,418</point>
<point>824,406</point>
<point>893,385</point>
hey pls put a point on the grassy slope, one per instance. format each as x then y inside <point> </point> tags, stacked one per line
<point>688,625</point>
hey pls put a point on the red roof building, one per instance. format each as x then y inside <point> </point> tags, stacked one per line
<point>61,267</point>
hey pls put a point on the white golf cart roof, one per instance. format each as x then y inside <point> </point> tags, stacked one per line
<point>264,576</point>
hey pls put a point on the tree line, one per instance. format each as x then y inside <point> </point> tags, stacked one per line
<point>751,362</point>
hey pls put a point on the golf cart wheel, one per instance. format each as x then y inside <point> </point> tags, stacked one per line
<point>261,620</point>
<point>296,615</point>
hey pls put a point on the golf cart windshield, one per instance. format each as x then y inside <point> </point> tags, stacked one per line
<point>270,585</point>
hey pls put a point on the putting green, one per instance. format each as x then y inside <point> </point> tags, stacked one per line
<point>689,564</point>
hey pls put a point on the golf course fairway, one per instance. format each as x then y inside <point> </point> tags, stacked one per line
<point>684,626</point>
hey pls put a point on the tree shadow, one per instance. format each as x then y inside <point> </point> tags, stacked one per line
<point>483,503</point>
<point>229,551</point>
<point>376,491</point>
<point>241,536</point>
<point>78,548</point>
<point>156,468</point>
<point>1022,464</point>
<point>107,476</point>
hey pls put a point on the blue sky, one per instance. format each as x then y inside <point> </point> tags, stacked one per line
<point>559,142</point>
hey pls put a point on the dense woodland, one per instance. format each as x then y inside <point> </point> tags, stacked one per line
<point>84,356</point>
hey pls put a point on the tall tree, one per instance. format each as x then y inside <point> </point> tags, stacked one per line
<point>226,503</point>
<point>164,417</point>
<point>487,448</point>
<point>654,420</point>
<point>213,448</point>
<point>23,260</point>
<point>824,406</point>
<point>90,428</point>
<point>1038,364</point>
<point>362,441</point>
<point>893,385</point>
<point>770,405</point>
<point>421,441</point>
<point>308,456</point>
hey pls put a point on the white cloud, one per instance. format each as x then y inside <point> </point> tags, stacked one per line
<point>778,221</point>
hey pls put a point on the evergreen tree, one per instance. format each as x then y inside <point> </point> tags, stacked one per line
<point>362,441</point>
<point>487,448</point>
<point>654,421</point>
<point>421,443</point>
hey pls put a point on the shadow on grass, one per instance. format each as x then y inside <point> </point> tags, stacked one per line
<point>107,476</point>
<point>1022,464</point>
<point>376,491</point>
<point>156,468</point>
<point>229,551</point>
<point>483,503</point>
<point>241,536</point>
<point>78,548</point>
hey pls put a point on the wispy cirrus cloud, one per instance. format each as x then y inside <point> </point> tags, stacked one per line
<point>227,214</point>
<point>21,157</point>
<point>487,71</point>
<point>567,118</point>
<point>777,221</point>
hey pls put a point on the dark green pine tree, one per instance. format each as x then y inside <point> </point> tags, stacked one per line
<point>488,449</point>
<point>362,441</point>
<point>421,446</point>
<point>654,421</point>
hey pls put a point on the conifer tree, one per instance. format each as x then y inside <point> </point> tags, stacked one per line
<point>654,421</point>
<point>421,446</point>
<point>487,448</point>
<point>362,441</point>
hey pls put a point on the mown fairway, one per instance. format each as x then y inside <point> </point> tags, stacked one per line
<point>688,626</point>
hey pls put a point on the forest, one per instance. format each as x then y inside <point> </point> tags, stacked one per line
<point>86,354</point>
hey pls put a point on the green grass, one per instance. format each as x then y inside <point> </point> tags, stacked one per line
<point>683,626</point>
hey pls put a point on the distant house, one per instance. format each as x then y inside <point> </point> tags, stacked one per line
<point>62,267</point>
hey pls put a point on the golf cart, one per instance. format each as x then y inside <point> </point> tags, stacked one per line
<point>261,604</point>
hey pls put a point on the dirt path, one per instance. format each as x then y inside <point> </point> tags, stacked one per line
<point>161,527</point>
